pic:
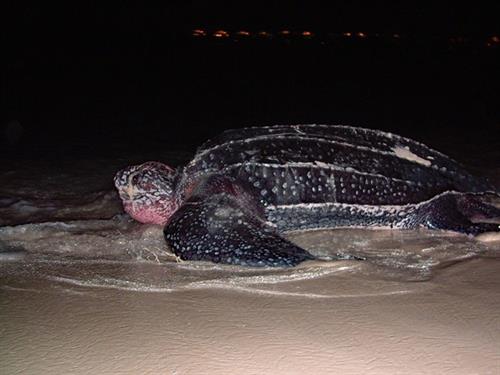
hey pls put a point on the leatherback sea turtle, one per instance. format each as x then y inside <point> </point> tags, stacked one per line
<point>244,187</point>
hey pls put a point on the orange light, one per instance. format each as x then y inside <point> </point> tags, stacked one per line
<point>221,34</point>
<point>347,34</point>
<point>199,32</point>
<point>264,34</point>
<point>285,32</point>
<point>307,33</point>
<point>361,35</point>
<point>243,33</point>
<point>495,39</point>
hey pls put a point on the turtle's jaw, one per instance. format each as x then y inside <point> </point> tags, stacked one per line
<point>152,213</point>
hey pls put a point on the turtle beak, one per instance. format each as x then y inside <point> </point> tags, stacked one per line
<point>129,192</point>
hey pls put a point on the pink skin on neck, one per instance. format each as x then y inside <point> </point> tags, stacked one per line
<point>153,214</point>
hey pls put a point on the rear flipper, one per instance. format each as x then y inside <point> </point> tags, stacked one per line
<point>468,213</point>
<point>219,229</point>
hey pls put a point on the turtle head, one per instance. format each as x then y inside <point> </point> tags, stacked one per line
<point>148,192</point>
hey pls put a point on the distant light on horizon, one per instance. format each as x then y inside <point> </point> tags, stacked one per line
<point>199,32</point>
<point>221,34</point>
<point>493,41</point>
<point>325,37</point>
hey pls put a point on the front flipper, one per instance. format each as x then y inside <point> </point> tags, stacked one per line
<point>219,229</point>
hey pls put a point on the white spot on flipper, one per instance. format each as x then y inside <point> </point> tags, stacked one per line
<point>226,212</point>
<point>405,153</point>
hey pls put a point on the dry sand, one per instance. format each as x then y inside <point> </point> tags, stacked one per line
<point>448,325</point>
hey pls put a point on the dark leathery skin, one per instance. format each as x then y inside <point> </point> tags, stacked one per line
<point>218,229</point>
<point>246,186</point>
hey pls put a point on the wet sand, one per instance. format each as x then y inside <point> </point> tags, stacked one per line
<point>447,325</point>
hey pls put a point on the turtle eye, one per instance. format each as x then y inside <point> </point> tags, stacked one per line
<point>142,183</point>
<point>135,180</point>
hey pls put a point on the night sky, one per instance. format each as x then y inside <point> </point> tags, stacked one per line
<point>133,75</point>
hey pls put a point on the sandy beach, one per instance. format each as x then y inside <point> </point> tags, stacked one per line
<point>447,325</point>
